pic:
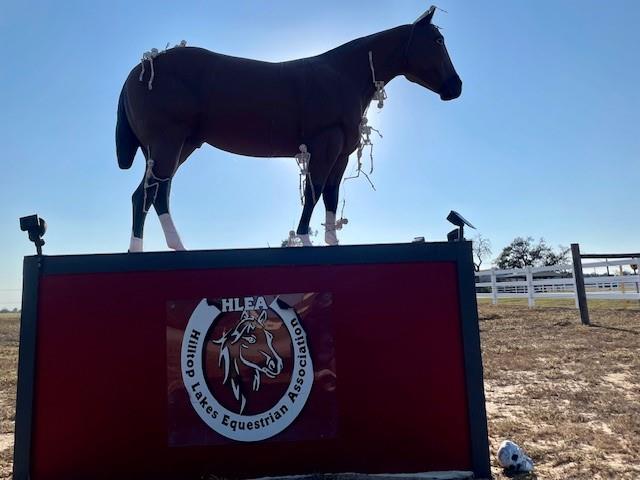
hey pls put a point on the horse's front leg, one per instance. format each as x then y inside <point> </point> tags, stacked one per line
<point>330,196</point>
<point>324,149</point>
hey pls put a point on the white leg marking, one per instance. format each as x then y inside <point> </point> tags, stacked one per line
<point>170,232</point>
<point>135,244</point>
<point>306,241</point>
<point>330,236</point>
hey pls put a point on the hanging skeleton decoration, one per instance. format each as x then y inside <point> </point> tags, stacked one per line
<point>365,136</point>
<point>149,56</point>
<point>193,96</point>
<point>380,96</point>
<point>302,159</point>
<point>365,141</point>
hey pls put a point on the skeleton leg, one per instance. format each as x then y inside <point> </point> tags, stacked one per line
<point>324,150</point>
<point>330,196</point>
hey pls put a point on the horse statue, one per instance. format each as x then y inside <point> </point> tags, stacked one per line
<point>189,96</point>
<point>248,346</point>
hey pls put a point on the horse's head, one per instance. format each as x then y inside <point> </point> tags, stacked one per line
<point>248,346</point>
<point>256,344</point>
<point>428,62</point>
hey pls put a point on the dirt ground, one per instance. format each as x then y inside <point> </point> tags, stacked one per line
<point>568,394</point>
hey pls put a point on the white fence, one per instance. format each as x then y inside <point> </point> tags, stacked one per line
<point>557,281</point>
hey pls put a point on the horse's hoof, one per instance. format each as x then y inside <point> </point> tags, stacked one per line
<point>135,245</point>
<point>177,247</point>
<point>330,238</point>
<point>306,241</point>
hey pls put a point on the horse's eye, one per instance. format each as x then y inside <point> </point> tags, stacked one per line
<point>250,339</point>
<point>440,41</point>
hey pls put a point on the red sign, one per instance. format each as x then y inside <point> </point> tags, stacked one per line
<point>250,371</point>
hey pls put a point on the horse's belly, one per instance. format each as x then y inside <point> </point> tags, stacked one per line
<point>262,133</point>
<point>254,148</point>
<point>263,110</point>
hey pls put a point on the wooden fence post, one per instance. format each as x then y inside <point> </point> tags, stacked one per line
<point>579,281</point>
<point>494,287</point>
<point>530,289</point>
<point>636,272</point>
<point>575,289</point>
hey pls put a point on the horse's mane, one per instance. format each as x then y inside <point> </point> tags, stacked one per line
<point>358,43</point>
<point>229,364</point>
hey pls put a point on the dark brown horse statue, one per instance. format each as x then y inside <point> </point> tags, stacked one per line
<point>175,101</point>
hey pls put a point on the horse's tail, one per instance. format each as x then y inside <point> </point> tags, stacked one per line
<point>126,141</point>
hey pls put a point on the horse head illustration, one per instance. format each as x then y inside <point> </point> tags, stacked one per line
<point>250,345</point>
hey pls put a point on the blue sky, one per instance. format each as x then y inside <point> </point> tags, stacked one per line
<point>544,140</point>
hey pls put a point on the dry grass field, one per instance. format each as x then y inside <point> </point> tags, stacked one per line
<point>9,327</point>
<point>568,394</point>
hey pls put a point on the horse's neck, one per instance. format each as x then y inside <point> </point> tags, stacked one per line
<point>388,55</point>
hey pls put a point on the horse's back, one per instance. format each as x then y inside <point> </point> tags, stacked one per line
<point>244,106</point>
<point>206,74</point>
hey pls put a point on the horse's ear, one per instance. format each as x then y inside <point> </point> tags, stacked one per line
<point>426,17</point>
<point>262,318</point>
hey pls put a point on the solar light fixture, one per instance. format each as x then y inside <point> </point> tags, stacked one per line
<point>459,221</point>
<point>35,227</point>
<point>453,235</point>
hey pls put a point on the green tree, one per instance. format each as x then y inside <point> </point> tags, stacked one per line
<point>524,252</point>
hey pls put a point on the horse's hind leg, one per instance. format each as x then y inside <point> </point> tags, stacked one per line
<point>153,190</point>
<point>324,150</point>
<point>330,196</point>
<point>139,215</point>
<point>141,202</point>
<point>163,160</point>
<point>161,204</point>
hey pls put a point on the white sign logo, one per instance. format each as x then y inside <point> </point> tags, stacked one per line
<point>239,347</point>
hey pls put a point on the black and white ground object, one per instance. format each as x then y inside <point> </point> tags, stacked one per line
<point>513,459</point>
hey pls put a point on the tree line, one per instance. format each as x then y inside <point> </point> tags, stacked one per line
<point>6,310</point>
<point>520,253</point>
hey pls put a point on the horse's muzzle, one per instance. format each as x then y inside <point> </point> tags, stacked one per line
<point>451,89</point>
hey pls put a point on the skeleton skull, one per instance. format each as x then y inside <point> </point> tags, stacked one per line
<point>512,458</point>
